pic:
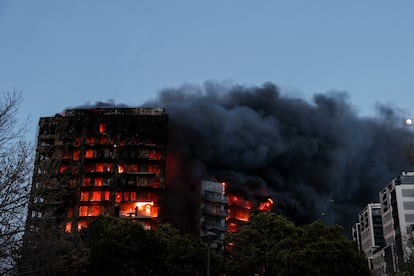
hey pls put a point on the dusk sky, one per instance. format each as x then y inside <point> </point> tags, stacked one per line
<point>62,54</point>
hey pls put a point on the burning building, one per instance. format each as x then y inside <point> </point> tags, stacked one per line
<point>101,161</point>
<point>240,208</point>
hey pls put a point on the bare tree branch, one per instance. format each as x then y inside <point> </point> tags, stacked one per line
<point>15,171</point>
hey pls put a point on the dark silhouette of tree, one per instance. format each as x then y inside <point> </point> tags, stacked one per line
<point>122,247</point>
<point>15,171</point>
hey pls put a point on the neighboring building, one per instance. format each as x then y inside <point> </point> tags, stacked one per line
<point>397,206</point>
<point>388,247</point>
<point>369,234</point>
<point>91,162</point>
<point>356,235</point>
<point>213,212</point>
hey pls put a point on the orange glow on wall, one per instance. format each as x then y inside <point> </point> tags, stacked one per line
<point>68,227</point>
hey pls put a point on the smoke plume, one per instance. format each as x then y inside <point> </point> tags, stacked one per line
<point>317,160</point>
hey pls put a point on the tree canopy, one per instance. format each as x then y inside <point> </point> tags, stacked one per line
<point>271,245</point>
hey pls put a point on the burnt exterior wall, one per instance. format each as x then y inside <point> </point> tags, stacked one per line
<point>92,162</point>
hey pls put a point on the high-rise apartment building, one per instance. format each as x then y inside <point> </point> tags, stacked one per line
<point>92,162</point>
<point>397,205</point>
<point>368,231</point>
<point>396,210</point>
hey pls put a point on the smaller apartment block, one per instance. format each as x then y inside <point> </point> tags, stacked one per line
<point>213,213</point>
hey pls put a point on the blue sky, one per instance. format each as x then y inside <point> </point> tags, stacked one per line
<point>67,53</point>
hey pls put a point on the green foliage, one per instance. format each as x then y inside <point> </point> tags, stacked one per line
<point>180,254</point>
<point>271,245</point>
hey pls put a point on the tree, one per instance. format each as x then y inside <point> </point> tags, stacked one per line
<point>180,254</point>
<point>15,171</point>
<point>271,245</point>
<point>122,247</point>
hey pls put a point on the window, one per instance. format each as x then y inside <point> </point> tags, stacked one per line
<point>82,224</point>
<point>90,140</point>
<point>102,128</point>
<point>68,227</point>
<point>100,167</point>
<point>86,181</point>
<point>96,196</point>
<point>76,155</point>
<point>98,182</point>
<point>70,213</point>
<point>106,195</point>
<point>89,153</point>
<point>118,197</point>
<point>89,211</point>
<point>84,196</point>
<point>76,142</point>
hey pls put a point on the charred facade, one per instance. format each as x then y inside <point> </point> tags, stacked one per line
<point>92,162</point>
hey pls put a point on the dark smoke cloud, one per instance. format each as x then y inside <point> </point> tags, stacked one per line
<point>318,160</point>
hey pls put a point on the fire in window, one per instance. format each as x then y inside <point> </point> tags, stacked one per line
<point>63,168</point>
<point>83,211</point>
<point>106,195</point>
<point>84,196</point>
<point>121,168</point>
<point>100,167</point>
<point>118,197</point>
<point>102,128</point>
<point>82,224</point>
<point>86,181</point>
<point>89,153</point>
<point>76,142</point>
<point>76,155</point>
<point>98,182</point>
<point>102,140</point>
<point>68,227</point>
<point>70,213</point>
<point>90,140</point>
<point>96,196</point>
